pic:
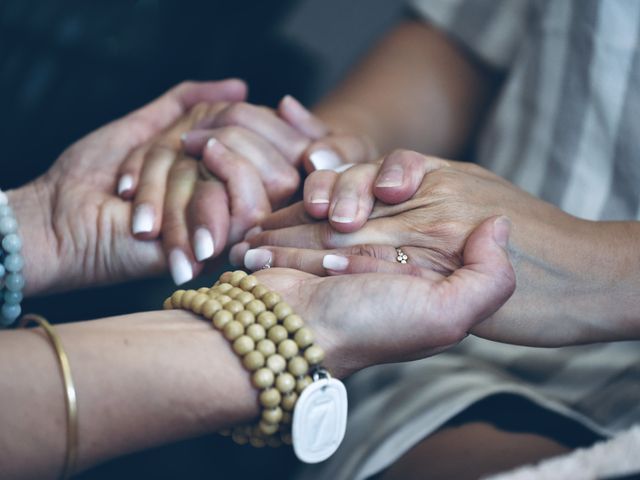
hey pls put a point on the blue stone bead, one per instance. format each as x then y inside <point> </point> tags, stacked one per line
<point>5,210</point>
<point>8,225</point>
<point>2,270</point>
<point>10,313</point>
<point>14,282</point>
<point>14,262</point>
<point>12,298</point>
<point>12,243</point>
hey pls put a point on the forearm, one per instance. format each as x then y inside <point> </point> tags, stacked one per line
<point>141,380</point>
<point>578,282</point>
<point>416,89</point>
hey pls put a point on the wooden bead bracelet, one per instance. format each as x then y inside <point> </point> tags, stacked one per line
<point>272,341</point>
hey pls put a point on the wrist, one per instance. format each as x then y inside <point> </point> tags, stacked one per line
<point>31,206</point>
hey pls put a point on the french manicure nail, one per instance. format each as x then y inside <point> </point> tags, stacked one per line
<point>391,177</point>
<point>236,254</point>
<point>252,232</point>
<point>203,244</point>
<point>319,200</point>
<point>335,262</point>
<point>343,167</point>
<point>344,210</point>
<point>143,217</point>
<point>501,230</point>
<point>180,266</point>
<point>257,258</point>
<point>125,183</point>
<point>324,159</point>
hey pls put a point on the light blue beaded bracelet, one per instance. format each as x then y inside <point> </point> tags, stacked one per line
<point>11,264</point>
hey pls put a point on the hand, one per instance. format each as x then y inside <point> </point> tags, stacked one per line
<point>75,230</point>
<point>368,319</point>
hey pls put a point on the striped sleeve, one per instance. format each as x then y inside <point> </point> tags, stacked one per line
<point>491,29</point>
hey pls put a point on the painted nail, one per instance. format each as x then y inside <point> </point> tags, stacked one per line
<point>391,177</point>
<point>344,210</point>
<point>335,262</point>
<point>343,167</point>
<point>236,254</point>
<point>317,199</point>
<point>257,258</point>
<point>203,244</point>
<point>252,232</point>
<point>324,159</point>
<point>143,218</point>
<point>180,266</point>
<point>501,230</point>
<point>125,183</point>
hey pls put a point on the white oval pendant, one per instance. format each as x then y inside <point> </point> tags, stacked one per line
<point>319,420</point>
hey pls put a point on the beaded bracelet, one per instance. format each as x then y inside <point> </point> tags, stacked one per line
<point>296,393</point>
<point>11,263</point>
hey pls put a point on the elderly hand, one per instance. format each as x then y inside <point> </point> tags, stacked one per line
<point>367,319</point>
<point>75,230</point>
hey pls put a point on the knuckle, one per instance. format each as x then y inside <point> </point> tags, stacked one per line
<point>372,251</point>
<point>237,113</point>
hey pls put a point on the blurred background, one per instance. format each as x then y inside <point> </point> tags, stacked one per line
<point>68,67</point>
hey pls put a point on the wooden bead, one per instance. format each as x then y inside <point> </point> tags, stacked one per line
<point>277,333</point>
<point>198,301</point>
<point>253,360</point>
<point>203,290</point>
<point>221,318</point>
<point>176,298</point>
<point>314,355</point>
<point>268,429</point>
<point>298,366</point>
<point>270,299</point>
<point>255,306</point>
<point>210,308</point>
<point>285,382</point>
<point>287,348</point>
<point>233,306</point>
<point>266,347</point>
<point>257,442</point>
<point>224,287</point>
<point>233,330</point>
<point>239,438</point>
<point>243,345</point>
<point>293,323</point>
<point>236,276</point>
<point>282,310</point>
<point>276,363</point>
<point>263,378</point>
<point>267,319</point>
<point>167,304</point>
<point>234,292</point>
<point>244,298</point>
<point>272,415</point>
<point>259,291</point>
<point>223,299</point>
<point>185,301</point>
<point>303,337</point>
<point>225,277</point>
<point>286,418</point>
<point>248,283</point>
<point>303,383</point>
<point>270,398</point>
<point>257,332</point>
<point>288,402</point>
<point>245,317</point>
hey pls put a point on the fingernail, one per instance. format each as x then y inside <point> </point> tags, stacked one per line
<point>345,210</point>
<point>318,199</point>
<point>143,217</point>
<point>203,244</point>
<point>184,137</point>
<point>501,231</point>
<point>252,232</point>
<point>391,177</point>
<point>236,254</point>
<point>257,258</point>
<point>343,167</point>
<point>324,159</point>
<point>125,183</point>
<point>335,262</point>
<point>180,267</point>
<point>297,107</point>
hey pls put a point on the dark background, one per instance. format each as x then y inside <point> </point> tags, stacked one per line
<point>68,67</point>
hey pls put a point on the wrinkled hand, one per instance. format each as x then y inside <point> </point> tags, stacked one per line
<point>75,230</point>
<point>368,319</point>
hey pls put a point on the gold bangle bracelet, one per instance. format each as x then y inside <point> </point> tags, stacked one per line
<point>70,391</point>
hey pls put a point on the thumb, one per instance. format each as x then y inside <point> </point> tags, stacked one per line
<point>487,279</point>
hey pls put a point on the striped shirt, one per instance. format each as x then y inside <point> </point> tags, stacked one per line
<point>562,128</point>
